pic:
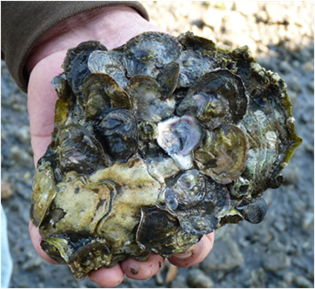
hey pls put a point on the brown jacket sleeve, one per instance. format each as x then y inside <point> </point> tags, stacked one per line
<point>24,22</point>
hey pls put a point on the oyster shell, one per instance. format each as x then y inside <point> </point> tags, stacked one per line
<point>156,143</point>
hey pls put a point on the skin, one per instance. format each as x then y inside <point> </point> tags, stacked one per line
<point>43,64</point>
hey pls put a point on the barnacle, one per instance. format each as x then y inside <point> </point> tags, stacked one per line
<point>156,143</point>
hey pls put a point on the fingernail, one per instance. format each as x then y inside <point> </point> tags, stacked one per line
<point>183,255</point>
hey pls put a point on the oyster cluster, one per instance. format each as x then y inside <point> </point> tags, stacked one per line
<point>155,144</point>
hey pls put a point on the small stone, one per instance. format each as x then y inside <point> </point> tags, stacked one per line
<point>196,30</point>
<point>225,256</point>
<point>225,231</point>
<point>171,273</point>
<point>198,279</point>
<point>280,226</point>
<point>32,263</point>
<point>302,282</point>
<point>19,155</point>
<point>246,8</point>
<point>258,278</point>
<point>290,175</point>
<point>309,148</point>
<point>6,189</point>
<point>277,14</point>
<point>306,245</point>
<point>23,134</point>
<point>41,285</point>
<point>207,31</point>
<point>281,284</point>
<point>15,150</point>
<point>308,66</point>
<point>288,278</point>
<point>179,282</point>
<point>268,196</point>
<point>233,17</point>
<point>220,5</point>
<point>310,86</point>
<point>285,67</point>
<point>310,273</point>
<point>274,261</point>
<point>213,18</point>
<point>159,278</point>
<point>294,84</point>
<point>263,50</point>
<point>255,35</point>
<point>261,16</point>
<point>263,236</point>
<point>18,107</point>
<point>308,221</point>
<point>27,175</point>
<point>4,132</point>
<point>296,63</point>
<point>275,246</point>
<point>299,205</point>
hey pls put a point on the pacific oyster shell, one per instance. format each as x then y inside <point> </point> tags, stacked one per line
<point>156,143</point>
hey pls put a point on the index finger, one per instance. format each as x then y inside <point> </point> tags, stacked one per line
<point>41,102</point>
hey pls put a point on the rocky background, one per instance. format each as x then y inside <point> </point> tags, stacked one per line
<point>279,251</point>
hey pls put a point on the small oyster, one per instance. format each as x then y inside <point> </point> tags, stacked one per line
<point>156,143</point>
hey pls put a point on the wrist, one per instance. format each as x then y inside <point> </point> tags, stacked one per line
<point>112,26</point>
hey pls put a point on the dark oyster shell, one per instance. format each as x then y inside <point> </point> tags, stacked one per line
<point>156,143</point>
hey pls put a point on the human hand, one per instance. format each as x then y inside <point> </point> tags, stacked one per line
<point>44,63</point>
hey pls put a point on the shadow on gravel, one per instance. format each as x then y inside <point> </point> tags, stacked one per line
<point>275,253</point>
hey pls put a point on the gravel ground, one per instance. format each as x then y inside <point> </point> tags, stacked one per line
<point>279,251</point>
